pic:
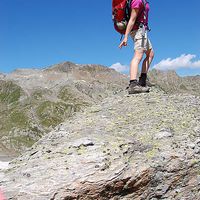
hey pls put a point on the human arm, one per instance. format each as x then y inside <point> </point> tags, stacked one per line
<point>131,22</point>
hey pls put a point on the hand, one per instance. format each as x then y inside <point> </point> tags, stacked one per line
<point>123,43</point>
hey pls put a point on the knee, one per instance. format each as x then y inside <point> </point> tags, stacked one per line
<point>138,57</point>
<point>151,54</point>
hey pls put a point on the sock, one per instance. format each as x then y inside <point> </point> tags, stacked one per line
<point>142,79</point>
<point>143,75</point>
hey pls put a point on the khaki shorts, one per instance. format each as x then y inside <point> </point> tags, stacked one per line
<point>141,42</point>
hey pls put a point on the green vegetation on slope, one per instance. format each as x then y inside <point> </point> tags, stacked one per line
<point>53,113</point>
<point>9,92</point>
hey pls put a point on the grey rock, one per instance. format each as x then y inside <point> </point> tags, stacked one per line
<point>109,151</point>
<point>163,134</point>
<point>81,142</point>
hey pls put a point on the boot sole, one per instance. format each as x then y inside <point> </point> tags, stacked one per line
<point>138,92</point>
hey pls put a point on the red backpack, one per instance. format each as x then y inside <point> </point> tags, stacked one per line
<point>121,10</point>
<point>120,14</point>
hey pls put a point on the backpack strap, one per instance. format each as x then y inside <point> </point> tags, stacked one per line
<point>145,14</point>
<point>145,11</point>
<point>127,13</point>
<point>128,9</point>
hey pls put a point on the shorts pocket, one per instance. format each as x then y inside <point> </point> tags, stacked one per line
<point>136,35</point>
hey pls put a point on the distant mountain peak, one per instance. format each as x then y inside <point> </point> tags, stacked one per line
<point>62,67</point>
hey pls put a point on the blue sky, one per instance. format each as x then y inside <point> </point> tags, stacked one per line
<point>39,33</point>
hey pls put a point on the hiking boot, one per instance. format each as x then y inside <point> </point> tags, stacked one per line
<point>135,88</point>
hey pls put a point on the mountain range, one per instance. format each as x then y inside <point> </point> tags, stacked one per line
<point>34,101</point>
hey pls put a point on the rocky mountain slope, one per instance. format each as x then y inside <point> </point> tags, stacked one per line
<point>141,147</point>
<point>170,82</point>
<point>33,101</point>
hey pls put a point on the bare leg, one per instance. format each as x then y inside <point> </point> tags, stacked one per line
<point>147,61</point>
<point>134,87</point>
<point>135,63</point>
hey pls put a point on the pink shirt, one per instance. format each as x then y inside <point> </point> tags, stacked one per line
<point>138,4</point>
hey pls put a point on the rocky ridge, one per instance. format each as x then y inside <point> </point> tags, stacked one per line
<point>137,147</point>
<point>170,82</point>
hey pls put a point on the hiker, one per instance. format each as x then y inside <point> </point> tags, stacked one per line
<point>137,27</point>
